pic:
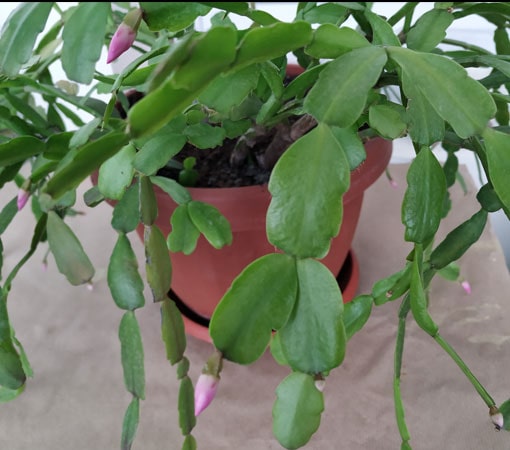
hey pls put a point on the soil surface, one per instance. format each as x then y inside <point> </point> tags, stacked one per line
<point>214,166</point>
<point>215,169</point>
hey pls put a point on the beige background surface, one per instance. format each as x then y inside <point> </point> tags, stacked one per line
<point>77,399</point>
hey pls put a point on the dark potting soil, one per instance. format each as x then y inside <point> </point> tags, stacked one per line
<point>215,166</point>
<point>216,170</point>
<point>218,167</point>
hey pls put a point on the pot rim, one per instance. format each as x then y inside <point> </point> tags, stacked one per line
<point>378,151</point>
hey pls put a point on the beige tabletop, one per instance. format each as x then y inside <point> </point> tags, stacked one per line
<point>76,399</point>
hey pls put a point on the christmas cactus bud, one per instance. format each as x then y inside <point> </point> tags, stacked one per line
<point>125,35</point>
<point>205,391</point>
<point>497,420</point>
<point>22,198</point>
<point>497,417</point>
<point>207,383</point>
<point>393,183</point>
<point>23,194</point>
<point>320,382</point>
<point>466,286</point>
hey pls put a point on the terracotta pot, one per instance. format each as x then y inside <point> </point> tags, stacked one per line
<point>200,280</point>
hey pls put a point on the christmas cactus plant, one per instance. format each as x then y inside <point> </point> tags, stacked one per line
<point>363,75</point>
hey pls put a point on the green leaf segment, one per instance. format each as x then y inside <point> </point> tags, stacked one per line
<point>311,339</point>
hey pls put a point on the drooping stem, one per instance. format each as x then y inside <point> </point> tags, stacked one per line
<point>428,275</point>
<point>466,46</point>
<point>39,230</point>
<point>465,369</point>
<point>399,350</point>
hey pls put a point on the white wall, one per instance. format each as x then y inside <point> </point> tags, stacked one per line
<point>472,29</point>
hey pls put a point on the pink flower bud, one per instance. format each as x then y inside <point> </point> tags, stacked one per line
<point>466,286</point>
<point>125,35</point>
<point>393,183</point>
<point>22,198</point>
<point>205,390</point>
